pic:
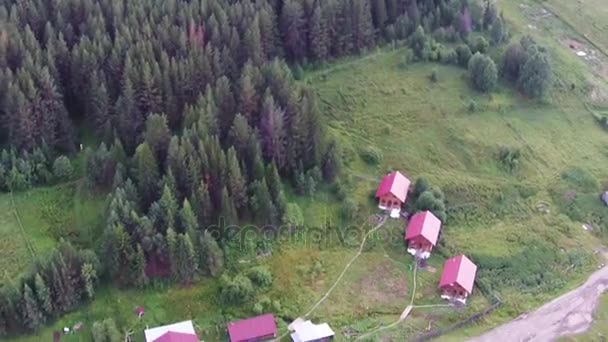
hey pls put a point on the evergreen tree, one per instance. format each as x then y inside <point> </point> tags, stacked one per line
<point>317,36</point>
<point>225,101</point>
<point>211,255</point>
<point>43,296</point>
<point>536,76</point>
<point>130,120</point>
<point>228,213</point>
<point>147,174</point>
<point>158,135</point>
<point>89,277</point>
<point>332,162</point>
<point>168,210</point>
<point>292,29</point>
<point>188,221</point>
<point>236,182</point>
<point>261,202</point>
<point>497,34</point>
<point>186,259</point>
<point>33,317</point>
<point>137,273</point>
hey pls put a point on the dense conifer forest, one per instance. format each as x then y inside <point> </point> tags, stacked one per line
<point>199,115</point>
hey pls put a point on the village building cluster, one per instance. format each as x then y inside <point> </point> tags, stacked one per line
<point>422,235</point>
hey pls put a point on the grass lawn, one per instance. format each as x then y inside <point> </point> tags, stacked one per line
<point>47,214</point>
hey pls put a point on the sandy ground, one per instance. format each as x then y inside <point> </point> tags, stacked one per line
<point>569,314</point>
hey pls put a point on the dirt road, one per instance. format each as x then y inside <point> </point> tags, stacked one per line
<point>569,314</point>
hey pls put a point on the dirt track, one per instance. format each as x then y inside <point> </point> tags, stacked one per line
<point>569,314</point>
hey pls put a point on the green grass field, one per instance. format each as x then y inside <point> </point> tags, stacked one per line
<point>46,214</point>
<point>526,256</point>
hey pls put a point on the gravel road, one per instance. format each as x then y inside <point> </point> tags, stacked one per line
<point>569,314</point>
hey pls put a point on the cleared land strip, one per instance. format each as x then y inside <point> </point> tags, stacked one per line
<point>26,240</point>
<point>569,314</point>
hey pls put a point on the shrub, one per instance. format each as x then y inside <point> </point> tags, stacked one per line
<point>448,56</point>
<point>482,72</point>
<point>509,158</point>
<point>472,106</point>
<point>371,155</point>
<point>479,44</point>
<point>433,201</point>
<point>433,76</point>
<point>260,276</point>
<point>236,290</point>
<point>62,168</point>
<point>293,216</point>
<point>349,209</point>
<point>464,55</point>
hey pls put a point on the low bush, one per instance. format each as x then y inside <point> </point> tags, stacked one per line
<point>260,276</point>
<point>509,158</point>
<point>371,155</point>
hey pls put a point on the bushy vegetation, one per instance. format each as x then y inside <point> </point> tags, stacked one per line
<point>427,197</point>
<point>106,331</point>
<point>509,158</point>
<point>371,155</point>
<point>22,171</point>
<point>483,72</point>
<point>527,65</point>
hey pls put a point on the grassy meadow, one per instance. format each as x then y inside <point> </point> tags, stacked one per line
<point>523,227</point>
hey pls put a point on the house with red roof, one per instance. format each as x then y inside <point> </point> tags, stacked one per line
<point>392,192</point>
<point>176,332</point>
<point>422,234</point>
<point>255,329</point>
<point>457,279</point>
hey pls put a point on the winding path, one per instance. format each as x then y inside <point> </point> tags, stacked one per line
<point>570,314</point>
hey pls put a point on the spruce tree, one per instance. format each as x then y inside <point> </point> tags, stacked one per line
<point>158,135</point>
<point>187,219</point>
<point>137,273</point>
<point>228,213</point>
<point>317,36</point>
<point>43,296</point>
<point>186,259</point>
<point>211,255</point>
<point>147,174</point>
<point>33,316</point>
<point>236,181</point>
<point>293,29</point>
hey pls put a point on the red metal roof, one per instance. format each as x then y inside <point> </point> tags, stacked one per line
<point>424,224</point>
<point>394,183</point>
<point>172,336</point>
<point>459,270</point>
<point>252,328</point>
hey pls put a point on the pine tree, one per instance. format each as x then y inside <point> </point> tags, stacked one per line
<point>236,181</point>
<point>89,277</point>
<point>172,250</point>
<point>292,29</point>
<point>137,273</point>
<point>186,259</point>
<point>272,130</point>
<point>261,203</point>
<point>225,101</point>
<point>147,95</point>
<point>33,317</point>
<point>253,43</point>
<point>248,99</point>
<point>228,213</point>
<point>147,174</point>
<point>317,36</point>
<point>130,120</point>
<point>379,14</point>
<point>43,296</point>
<point>332,162</point>
<point>211,255</point>
<point>188,221</point>
<point>158,135</point>
<point>168,210</point>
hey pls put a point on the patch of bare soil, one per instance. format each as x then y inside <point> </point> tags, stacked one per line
<point>384,286</point>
